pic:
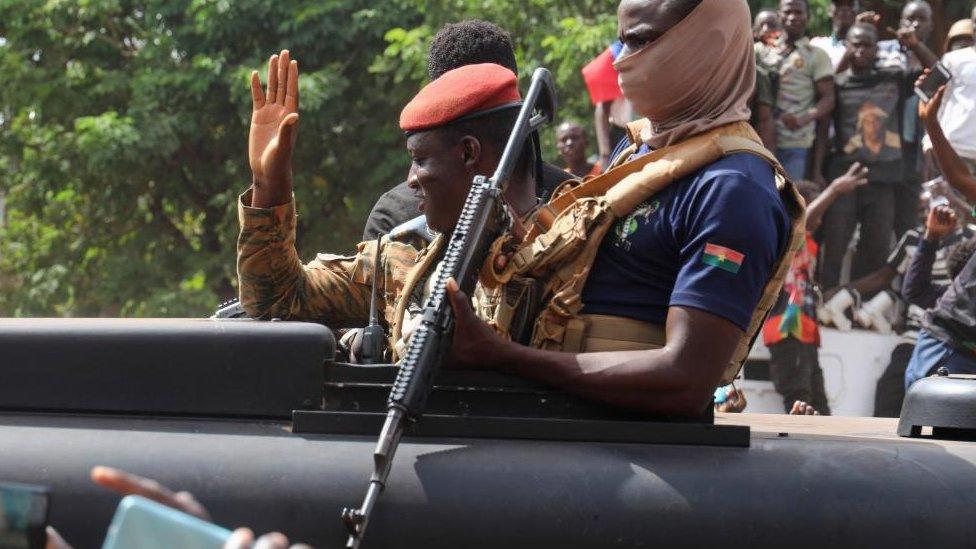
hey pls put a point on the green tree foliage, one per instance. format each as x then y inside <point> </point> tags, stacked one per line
<point>123,130</point>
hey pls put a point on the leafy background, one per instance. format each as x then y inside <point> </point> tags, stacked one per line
<point>123,130</point>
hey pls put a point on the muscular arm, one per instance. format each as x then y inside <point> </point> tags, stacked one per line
<point>675,380</point>
<point>953,168</point>
<point>825,100</point>
<point>925,56</point>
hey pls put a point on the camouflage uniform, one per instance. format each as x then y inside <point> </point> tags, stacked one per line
<point>331,289</point>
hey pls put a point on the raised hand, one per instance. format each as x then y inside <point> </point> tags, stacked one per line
<point>856,176</point>
<point>274,128</point>
<point>940,222</point>
<point>869,17</point>
<point>929,111</point>
<point>907,36</point>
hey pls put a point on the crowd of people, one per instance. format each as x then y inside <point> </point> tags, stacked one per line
<point>659,282</point>
<point>888,229</point>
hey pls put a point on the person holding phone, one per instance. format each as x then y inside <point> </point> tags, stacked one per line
<point>948,335</point>
<point>957,117</point>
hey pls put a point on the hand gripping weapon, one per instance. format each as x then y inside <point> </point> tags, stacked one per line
<point>483,218</point>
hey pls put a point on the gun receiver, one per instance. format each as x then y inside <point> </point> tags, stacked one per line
<point>482,220</point>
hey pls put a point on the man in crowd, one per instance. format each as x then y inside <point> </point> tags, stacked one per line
<point>685,272</point>
<point>571,142</point>
<point>957,117</point>
<point>866,131</point>
<point>455,45</point>
<point>842,13</point>
<point>948,335</point>
<point>908,53</point>
<point>766,27</point>
<point>934,260</point>
<point>960,35</point>
<point>916,18</point>
<point>791,332</point>
<point>805,91</point>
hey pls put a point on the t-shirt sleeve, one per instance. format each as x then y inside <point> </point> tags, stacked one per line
<point>730,234</point>
<point>821,67</point>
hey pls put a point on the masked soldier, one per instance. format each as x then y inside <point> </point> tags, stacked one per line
<point>640,288</point>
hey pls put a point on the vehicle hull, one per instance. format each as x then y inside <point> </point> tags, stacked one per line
<point>858,486</point>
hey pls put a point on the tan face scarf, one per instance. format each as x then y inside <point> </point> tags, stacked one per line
<point>697,76</point>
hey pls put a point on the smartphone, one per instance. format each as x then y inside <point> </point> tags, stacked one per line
<point>141,523</point>
<point>937,200</point>
<point>938,76</point>
<point>23,516</point>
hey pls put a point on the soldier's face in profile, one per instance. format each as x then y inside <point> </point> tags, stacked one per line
<point>441,173</point>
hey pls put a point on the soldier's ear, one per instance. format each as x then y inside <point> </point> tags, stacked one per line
<point>470,151</point>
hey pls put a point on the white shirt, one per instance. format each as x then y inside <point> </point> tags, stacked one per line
<point>835,48</point>
<point>958,113</point>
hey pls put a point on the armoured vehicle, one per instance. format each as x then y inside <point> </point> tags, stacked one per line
<point>262,423</point>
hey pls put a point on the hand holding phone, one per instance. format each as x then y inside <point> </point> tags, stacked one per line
<point>23,516</point>
<point>937,77</point>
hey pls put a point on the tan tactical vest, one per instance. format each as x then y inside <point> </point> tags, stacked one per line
<point>564,238</point>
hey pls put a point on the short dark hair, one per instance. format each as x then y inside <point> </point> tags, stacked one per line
<point>924,3</point>
<point>469,43</point>
<point>806,3</point>
<point>959,256</point>
<point>866,27</point>
<point>494,128</point>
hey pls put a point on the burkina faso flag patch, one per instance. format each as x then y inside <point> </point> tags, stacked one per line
<point>724,258</point>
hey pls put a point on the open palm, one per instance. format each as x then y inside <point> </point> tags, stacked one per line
<point>273,127</point>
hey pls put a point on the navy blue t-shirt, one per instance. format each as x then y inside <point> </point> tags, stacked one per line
<point>708,241</point>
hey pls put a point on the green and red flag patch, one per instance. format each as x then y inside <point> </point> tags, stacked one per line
<point>724,258</point>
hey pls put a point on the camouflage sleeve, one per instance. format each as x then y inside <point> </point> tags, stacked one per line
<point>333,290</point>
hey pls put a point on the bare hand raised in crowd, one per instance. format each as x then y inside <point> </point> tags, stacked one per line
<point>940,222</point>
<point>274,127</point>
<point>856,176</point>
<point>126,484</point>
<point>907,37</point>
<point>928,111</point>
<point>869,17</point>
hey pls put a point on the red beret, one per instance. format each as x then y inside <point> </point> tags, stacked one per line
<point>462,92</point>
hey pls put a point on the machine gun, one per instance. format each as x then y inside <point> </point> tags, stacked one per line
<point>482,220</point>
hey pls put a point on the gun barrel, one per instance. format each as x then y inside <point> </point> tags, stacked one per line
<point>482,219</point>
<point>386,446</point>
